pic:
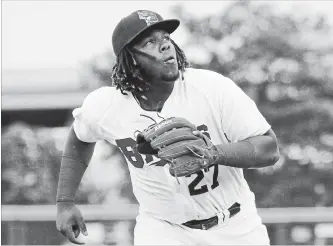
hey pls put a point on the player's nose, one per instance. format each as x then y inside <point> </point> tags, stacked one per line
<point>165,46</point>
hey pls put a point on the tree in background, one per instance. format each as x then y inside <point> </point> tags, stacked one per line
<point>31,158</point>
<point>30,162</point>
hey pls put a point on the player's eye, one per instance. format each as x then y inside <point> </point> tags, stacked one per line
<point>166,38</point>
<point>149,42</point>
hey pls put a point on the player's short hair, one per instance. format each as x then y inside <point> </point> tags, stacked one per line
<point>126,76</point>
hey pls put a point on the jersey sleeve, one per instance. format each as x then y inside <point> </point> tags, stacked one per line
<point>240,117</point>
<point>87,117</point>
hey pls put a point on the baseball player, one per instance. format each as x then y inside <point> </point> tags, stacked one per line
<point>198,195</point>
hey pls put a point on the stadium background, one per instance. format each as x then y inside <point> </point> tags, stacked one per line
<point>280,53</point>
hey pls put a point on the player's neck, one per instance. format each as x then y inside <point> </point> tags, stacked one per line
<point>160,89</point>
<point>155,97</point>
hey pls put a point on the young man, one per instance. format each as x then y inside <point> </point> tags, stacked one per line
<point>152,81</point>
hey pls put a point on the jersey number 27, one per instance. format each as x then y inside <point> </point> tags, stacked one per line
<point>193,186</point>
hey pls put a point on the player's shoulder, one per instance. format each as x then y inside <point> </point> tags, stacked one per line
<point>97,101</point>
<point>206,78</point>
<point>101,95</point>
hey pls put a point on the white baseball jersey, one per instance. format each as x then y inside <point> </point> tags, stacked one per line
<point>215,104</point>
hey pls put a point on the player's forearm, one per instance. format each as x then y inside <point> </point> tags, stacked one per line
<point>71,173</point>
<point>74,162</point>
<point>255,152</point>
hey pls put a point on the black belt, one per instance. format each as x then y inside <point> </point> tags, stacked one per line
<point>213,221</point>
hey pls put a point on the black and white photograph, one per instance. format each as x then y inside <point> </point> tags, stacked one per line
<point>166,122</point>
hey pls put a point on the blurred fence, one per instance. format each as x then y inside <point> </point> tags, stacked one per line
<point>36,224</point>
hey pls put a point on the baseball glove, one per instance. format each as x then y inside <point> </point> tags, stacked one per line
<point>174,141</point>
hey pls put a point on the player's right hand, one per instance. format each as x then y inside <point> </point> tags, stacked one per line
<point>70,221</point>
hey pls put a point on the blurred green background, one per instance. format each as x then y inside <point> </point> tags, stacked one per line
<point>282,61</point>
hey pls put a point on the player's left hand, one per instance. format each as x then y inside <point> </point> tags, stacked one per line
<point>177,141</point>
<point>202,154</point>
<point>166,139</point>
<point>206,151</point>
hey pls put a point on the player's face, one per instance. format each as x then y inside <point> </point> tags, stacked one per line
<point>161,60</point>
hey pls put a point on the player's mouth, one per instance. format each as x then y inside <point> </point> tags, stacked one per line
<point>170,60</point>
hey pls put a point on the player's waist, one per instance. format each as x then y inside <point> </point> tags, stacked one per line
<point>219,218</point>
